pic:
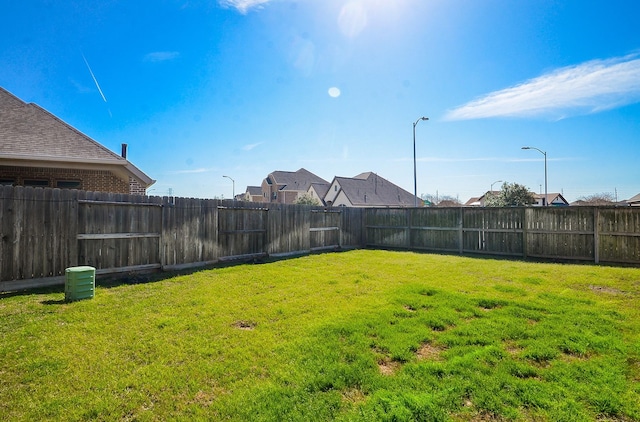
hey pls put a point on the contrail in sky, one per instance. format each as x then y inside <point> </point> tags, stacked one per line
<point>96,82</point>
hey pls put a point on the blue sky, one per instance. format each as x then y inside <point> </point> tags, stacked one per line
<point>202,89</point>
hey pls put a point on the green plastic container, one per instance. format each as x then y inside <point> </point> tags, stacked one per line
<point>80,283</point>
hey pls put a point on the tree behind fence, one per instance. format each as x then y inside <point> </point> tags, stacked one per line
<point>45,231</point>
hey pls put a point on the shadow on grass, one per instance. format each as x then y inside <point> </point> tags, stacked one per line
<point>123,279</point>
<point>54,302</point>
<point>118,279</point>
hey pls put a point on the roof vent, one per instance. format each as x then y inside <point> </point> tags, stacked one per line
<point>124,151</point>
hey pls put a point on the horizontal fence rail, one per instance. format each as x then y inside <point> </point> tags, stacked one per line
<point>45,231</point>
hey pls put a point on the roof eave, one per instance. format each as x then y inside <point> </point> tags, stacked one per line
<point>121,166</point>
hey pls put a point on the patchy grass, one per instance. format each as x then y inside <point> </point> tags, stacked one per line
<point>362,335</point>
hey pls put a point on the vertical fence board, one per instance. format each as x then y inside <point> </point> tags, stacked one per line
<point>6,231</point>
<point>18,240</point>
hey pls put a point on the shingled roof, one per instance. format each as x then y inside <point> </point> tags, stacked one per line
<point>30,135</point>
<point>368,189</point>
<point>299,180</point>
<point>635,200</point>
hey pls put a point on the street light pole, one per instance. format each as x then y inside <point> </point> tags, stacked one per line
<point>233,187</point>
<point>415,176</point>
<point>497,181</point>
<point>546,203</point>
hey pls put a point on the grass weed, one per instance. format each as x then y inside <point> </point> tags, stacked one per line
<point>355,336</point>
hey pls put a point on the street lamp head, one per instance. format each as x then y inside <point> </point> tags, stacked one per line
<point>424,118</point>
<point>526,147</point>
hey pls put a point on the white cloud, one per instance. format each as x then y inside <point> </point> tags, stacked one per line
<point>161,56</point>
<point>243,6</point>
<point>589,87</point>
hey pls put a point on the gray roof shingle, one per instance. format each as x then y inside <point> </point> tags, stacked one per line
<point>29,132</point>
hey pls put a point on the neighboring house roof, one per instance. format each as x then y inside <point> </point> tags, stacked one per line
<point>635,200</point>
<point>579,203</point>
<point>474,201</point>
<point>449,203</point>
<point>319,191</point>
<point>254,190</point>
<point>299,180</point>
<point>31,136</point>
<point>368,190</point>
<point>320,188</point>
<point>552,198</point>
<point>478,201</point>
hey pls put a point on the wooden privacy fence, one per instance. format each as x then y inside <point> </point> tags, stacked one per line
<point>597,234</point>
<point>45,231</point>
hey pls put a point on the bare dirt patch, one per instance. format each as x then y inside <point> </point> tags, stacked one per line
<point>388,367</point>
<point>429,352</point>
<point>204,399</point>
<point>604,289</point>
<point>512,349</point>
<point>245,325</point>
<point>574,357</point>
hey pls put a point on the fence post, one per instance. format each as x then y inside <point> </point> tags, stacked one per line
<point>364,236</point>
<point>409,224</point>
<point>596,237</point>
<point>461,231</point>
<point>161,240</point>
<point>525,225</point>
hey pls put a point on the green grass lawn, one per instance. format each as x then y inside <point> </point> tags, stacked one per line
<point>355,336</point>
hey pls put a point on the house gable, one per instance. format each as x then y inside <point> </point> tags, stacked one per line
<point>318,191</point>
<point>333,191</point>
<point>341,200</point>
<point>34,142</point>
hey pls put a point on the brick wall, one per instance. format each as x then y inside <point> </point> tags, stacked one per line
<point>89,180</point>
<point>135,188</point>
